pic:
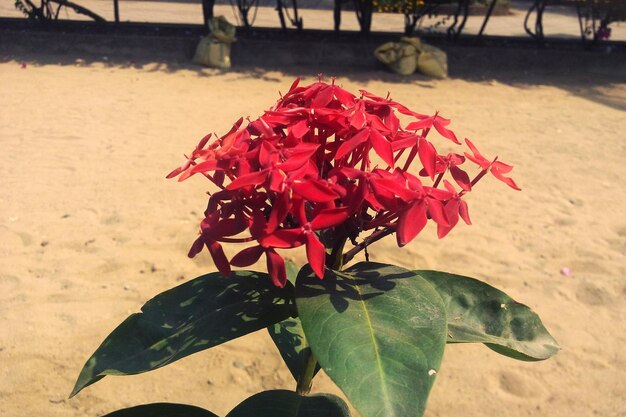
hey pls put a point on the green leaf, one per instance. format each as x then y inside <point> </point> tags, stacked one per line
<point>292,345</point>
<point>162,410</point>
<point>292,271</point>
<point>194,316</point>
<point>478,312</point>
<point>378,331</point>
<point>281,403</point>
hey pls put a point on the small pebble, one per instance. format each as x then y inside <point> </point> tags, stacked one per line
<point>565,271</point>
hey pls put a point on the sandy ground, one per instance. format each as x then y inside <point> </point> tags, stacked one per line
<point>90,230</point>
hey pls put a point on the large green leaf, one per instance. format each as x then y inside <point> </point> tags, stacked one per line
<point>162,410</point>
<point>292,345</point>
<point>478,312</point>
<point>378,331</point>
<point>194,316</point>
<point>280,403</point>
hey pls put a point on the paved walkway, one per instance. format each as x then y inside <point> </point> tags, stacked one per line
<point>559,21</point>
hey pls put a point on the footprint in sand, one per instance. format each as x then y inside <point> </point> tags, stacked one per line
<point>593,295</point>
<point>621,231</point>
<point>565,221</point>
<point>519,385</point>
<point>8,284</point>
<point>14,237</point>
<point>113,218</point>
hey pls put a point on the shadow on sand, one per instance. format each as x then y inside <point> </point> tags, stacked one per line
<point>589,74</point>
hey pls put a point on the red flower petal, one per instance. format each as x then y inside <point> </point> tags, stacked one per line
<point>464,212</point>
<point>452,213</point>
<point>498,168</point>
<point>329,218</point>
<point>437,212</point>
<point>428,156</point>
<point>315,191</point>
<point>196,247</point>
<point>411,222</point>
<point>175,172</point>
<point>253,178</point>
<point>298,158</point>
<point>300,129</point>
<point>205,166</point>
<point>324,96</point>
<point>280,208</point>
<point>382,147</point>
<point>358,119</point>
<point>227,227</point>
<point>219,258</point>
<point>276,268</point>
<point>248,256</point>
<point>460,177</point>
<point>284,238</point>
<point>315,254</point>
<point>421,124</point>
<point>446,133</point>
<point>476,158</point>
<point>346,98</point>
<point>350,144</point>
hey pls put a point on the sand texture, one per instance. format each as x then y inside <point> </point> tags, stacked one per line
<point>90,229</point>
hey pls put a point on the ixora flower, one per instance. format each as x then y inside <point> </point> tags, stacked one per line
<point>322,158</point>
<point>321,169</point>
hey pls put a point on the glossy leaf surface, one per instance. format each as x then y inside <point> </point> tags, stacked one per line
<point>194,316</point>
<point>281,403</point>
<point>162,410</point>
<point>378,331</point>
<point>480,313</point>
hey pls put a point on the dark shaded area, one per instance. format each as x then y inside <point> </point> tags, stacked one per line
<point>162,410</point>
<point>513,61</point>
<point>360,282</point>
<point>288,336</point>
<point>282,403</point>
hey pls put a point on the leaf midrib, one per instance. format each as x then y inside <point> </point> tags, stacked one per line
<point>370,328</point>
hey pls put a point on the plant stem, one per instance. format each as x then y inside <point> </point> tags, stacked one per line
<point>374,237</point>
<point>335,260</point>
<point>306,379</point>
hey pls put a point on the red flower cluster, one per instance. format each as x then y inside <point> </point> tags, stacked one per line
<point>307,166</point>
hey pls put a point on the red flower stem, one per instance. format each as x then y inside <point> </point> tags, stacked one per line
<point>438,180</point>
<point>478,177</point>
<point>235,239</point>
<point>210,177</point>
<point>374,237</point>
<point>410,158</point>
<point>399,155</point>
